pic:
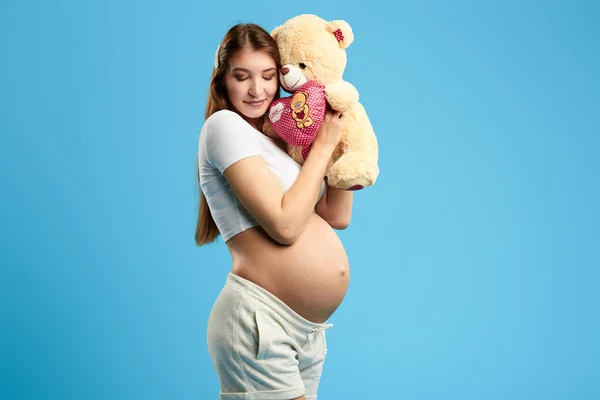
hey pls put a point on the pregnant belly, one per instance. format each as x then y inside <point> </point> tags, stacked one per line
<point>311,276</point>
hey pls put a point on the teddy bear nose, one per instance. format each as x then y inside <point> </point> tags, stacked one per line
<point>284,70</point>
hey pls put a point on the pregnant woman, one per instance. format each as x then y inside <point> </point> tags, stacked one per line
<point>266,330</point>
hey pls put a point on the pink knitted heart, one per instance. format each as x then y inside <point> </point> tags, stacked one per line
<point>298,118</point>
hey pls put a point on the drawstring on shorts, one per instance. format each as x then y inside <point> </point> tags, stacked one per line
<point>312,336</point>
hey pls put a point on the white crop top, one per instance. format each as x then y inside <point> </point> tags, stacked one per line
<point>226,138</point>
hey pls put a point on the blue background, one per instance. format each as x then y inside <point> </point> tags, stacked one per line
<point>474,258</point>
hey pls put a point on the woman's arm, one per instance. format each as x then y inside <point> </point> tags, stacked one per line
<point>335,207</point>
<point>284,215</point>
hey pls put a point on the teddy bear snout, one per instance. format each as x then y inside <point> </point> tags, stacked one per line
<point>284,70</point>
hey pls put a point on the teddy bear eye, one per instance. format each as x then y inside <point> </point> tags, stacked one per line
<point>302,65</point>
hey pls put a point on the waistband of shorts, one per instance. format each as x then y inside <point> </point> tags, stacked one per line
<point>274,303</point>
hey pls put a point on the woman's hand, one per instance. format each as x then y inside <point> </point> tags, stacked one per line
<point>331,129</point>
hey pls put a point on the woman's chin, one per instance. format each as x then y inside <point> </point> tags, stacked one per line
<point>254,112</point>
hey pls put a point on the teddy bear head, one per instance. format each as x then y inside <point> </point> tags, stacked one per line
<point>312,48</point>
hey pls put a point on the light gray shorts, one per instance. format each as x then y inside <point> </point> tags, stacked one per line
<point>261,348</point>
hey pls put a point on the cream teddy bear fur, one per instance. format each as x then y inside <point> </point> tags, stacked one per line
<point>312,48</point>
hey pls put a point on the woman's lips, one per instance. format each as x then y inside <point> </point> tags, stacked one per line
<point>255,103</point>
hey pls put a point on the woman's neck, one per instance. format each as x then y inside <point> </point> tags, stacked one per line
<point>257,123</point>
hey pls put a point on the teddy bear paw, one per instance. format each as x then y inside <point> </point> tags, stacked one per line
<point>353,171</point>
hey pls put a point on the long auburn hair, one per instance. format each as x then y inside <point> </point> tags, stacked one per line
<point>239,37</point>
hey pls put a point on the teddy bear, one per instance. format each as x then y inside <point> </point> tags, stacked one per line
<point>313,58</point>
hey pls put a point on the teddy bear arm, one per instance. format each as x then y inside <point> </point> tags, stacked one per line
<point>341,96</point>
<point>267,129</point>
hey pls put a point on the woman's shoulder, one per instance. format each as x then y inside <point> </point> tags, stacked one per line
<point>226,128</point>
<point>222,116</point>
<point>227,122</point>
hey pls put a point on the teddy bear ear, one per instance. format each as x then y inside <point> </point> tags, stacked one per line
<point>275,32</point>
<point>342,32</point>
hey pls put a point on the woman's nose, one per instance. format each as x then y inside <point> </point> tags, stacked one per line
<point>255,87</point>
